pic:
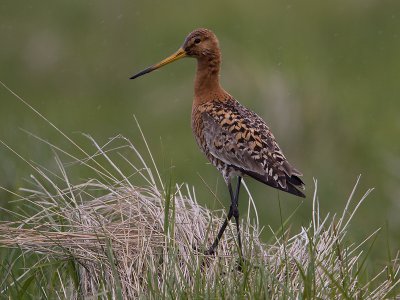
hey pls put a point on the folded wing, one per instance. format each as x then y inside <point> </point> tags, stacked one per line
<point>241,139</point>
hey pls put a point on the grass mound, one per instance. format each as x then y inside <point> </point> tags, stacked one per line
<point>109,237</point>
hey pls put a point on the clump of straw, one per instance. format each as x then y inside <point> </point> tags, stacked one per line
<point>133,240</point>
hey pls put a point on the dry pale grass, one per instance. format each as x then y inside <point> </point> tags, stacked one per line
<point>144,241</point>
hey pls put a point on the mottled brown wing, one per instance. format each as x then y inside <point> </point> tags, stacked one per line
<point>241,139</point>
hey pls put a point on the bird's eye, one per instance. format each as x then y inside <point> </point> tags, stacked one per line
<point>197,41</point>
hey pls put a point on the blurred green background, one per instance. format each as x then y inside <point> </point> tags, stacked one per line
<point>324,75</point>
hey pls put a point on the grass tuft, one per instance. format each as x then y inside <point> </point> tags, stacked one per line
<point>123,233</point>
<point>108,237</point>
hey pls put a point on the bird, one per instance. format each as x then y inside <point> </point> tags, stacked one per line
<point>233,138</point>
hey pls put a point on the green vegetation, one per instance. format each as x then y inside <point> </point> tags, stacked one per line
<point>323,75</point>
<point>105,237</point>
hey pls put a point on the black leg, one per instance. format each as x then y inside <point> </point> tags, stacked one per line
<point>233,211</point>
<point>214,245</point>
<point>236,214</point>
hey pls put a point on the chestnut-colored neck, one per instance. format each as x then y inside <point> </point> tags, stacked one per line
<point>206,84</point>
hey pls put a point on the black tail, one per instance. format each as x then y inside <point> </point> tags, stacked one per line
<point>292,183</point>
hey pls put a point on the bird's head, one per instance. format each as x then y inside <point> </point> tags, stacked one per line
<point>200,43</point>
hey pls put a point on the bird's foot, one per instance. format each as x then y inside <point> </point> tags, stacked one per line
<point>210,251</point>
<point>242,264</point>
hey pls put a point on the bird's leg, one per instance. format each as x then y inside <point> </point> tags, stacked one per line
<point>214,245</point>
<point>233,211</point>
<point>235,204</point>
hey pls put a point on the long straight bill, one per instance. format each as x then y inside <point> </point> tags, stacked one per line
<point>177,55</point>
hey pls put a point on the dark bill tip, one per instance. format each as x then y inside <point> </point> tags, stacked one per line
<point>145,71</point>
<point>177,55</point>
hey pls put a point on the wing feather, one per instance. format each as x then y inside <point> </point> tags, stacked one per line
<point>241,139</point>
